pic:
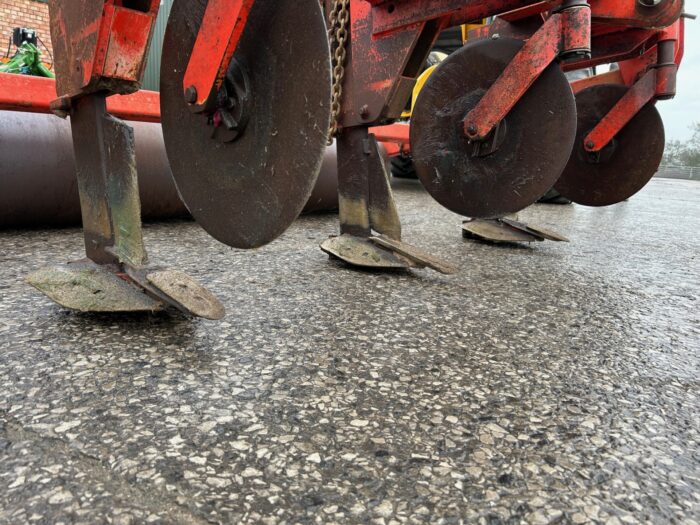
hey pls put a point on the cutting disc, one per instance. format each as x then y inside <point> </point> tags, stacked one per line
<point>532,144</point>
<point>625,165</point>
<point>247,192</point>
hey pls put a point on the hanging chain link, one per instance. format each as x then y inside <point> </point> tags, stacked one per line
<point>338,37</point>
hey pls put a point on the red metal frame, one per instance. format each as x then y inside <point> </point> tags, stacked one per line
<point>634,100</point>
<point>100,42</point>
<point>620,46</point>
<point>648,80</point>
<point>390,40</point>
<point>632,38</point>
<point>611,77</point>
<point>658,68</point>
<point>221,30</point>
<point>123,36</point>
<point>395,138</point>
<point>35,94</point>
<point>610,15</point>
<point>390,16</point>
<point>632,14</point>
<point>142,106</point>
<point>565,31</point>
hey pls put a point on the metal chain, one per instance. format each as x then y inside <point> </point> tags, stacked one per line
<point>338,37</point>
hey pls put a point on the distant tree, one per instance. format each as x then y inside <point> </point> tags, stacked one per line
<point>684,153</point>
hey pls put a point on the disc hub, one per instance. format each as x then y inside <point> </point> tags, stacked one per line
<point>604,155</point>
<point>493,141</point>
<point>232,112</point>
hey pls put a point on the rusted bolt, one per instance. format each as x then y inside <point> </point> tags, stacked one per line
<point>191,95</point>
<point>472,129</point>
<point>364,111</point>
<point>61,106</point>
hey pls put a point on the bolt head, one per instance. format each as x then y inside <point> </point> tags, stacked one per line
<point>472,129</point>
<point>191,95</point>
<point>590,144</point>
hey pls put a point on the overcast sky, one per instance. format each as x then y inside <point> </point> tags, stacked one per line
<point>683,110</point>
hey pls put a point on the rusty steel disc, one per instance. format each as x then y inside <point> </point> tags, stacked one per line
<point>245,189</point>
<point>516,166</point>
<point>625,165</point>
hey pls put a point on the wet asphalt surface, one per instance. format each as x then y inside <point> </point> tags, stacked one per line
<point>556,383</point>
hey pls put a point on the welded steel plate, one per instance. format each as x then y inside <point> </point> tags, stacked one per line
<point>420,257</point>
<point>625,165</point>
<point>187,294</point>
<point>87,287</point>
<point>543,233</point>
<point>507,231</point>
<point>496,231</point>
<point>361,252</point>
<point>531,151</point>
<point>247,192</point>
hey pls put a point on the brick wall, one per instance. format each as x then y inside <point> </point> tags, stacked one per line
<point>32,14</point>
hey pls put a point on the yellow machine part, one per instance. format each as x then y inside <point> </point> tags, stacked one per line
<point>423,78</point>
<point>468,27</point>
